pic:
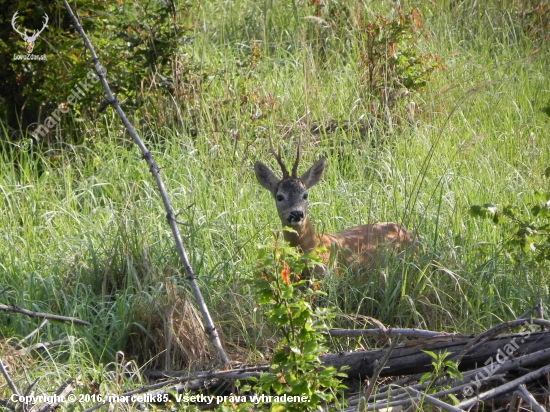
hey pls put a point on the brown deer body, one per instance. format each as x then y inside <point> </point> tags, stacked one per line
<point>368,245</point>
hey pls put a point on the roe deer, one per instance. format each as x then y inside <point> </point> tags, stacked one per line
<point>367,245</point>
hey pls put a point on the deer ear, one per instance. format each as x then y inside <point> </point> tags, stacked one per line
<point>265,176</point>
<point>314,174</point>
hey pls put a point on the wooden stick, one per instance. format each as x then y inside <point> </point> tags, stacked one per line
<point>32,314</point>
<point>376,374</point>
<point>43,345</point>
<point>478,340</point>
<point>524,394</point>
<point>34,332</point>
<point>410,333</point>
<point>508,387</point>
<point>8,380</point>
<point>67,387</point>
<point>431,400</point>
<point>170,214</point>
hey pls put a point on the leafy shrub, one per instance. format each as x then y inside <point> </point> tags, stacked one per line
<point>441,368</point>
<point>391,59</point>
<point>135,42</point>
<point>526,233</point>
<point>296,369</point>
<point>536,21</point>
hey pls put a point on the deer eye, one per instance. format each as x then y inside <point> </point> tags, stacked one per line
<point>280,198</point>
<point>305,196</point>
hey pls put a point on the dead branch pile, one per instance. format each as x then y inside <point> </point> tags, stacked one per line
<point>498,370</point>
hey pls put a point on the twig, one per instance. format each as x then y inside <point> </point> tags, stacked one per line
<point>540,311</point>
<point>32,314</point>
<point>7,405</point>
<point>478,340</point>
<point>43,345</point>
<point>508,387</point>
<point>524,394</point>
<point>170,214</point>
<point>539,308</point>
<point>409,396</point>
<point>374,377</point>
<point>433,401</point>
<point>468,379</point>
<point>34,332</point>
<point>63,391</point>
<point>205,375</point>
<point>30,388</point>
<point>192,382</point>
<point>410,333</point>
<point>395,394</point>
<point>515,402</point>
<point>528,312</point>
<point>12,386</point>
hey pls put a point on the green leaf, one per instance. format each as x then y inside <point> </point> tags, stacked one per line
<point>287,292</point>
<point>277,387</point>
<point>300,387</point>
<point>280,357</point>
<point>296,350</point>
<point>310,346</point>
<point>454,399</point>
<point>277,407</point>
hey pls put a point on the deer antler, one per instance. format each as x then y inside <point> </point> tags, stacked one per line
<point>13,19</point>
<point>35,34</point>
<point>297,161</point>
<point>278,158</point>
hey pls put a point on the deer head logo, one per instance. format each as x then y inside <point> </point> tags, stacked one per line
<point>30,40</point>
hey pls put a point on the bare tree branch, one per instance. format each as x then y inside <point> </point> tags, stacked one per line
<point>524,394</point>
<point>32,314</point>
<point>508,387</point>
<point>67,387</point>
<point>479,339</point>
<point>7,405</point>
<point>376,374</point>
<point>170,214</point>
<point>8,380</point>
<point>410,333</point>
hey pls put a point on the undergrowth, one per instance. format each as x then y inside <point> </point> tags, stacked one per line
<point>84,233</point>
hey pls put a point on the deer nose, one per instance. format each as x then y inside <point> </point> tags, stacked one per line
<point>296,216</point>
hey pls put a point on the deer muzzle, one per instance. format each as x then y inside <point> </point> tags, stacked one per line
<point>295,217</point>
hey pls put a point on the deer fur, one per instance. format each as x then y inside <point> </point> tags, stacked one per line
<point>367,245</point>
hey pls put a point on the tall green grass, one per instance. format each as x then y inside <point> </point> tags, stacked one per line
<point>84,233</point>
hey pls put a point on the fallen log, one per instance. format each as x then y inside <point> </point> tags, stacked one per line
<point>490,364</point>
<point>408,358</point>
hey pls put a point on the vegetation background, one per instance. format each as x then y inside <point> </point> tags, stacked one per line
<point>432,114</point>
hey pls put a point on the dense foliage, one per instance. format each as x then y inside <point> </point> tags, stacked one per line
<point>431,115</point>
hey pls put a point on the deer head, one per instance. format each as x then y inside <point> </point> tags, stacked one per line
<point>368,245</point>
<point>30,40</point>
<point>290,192</point>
